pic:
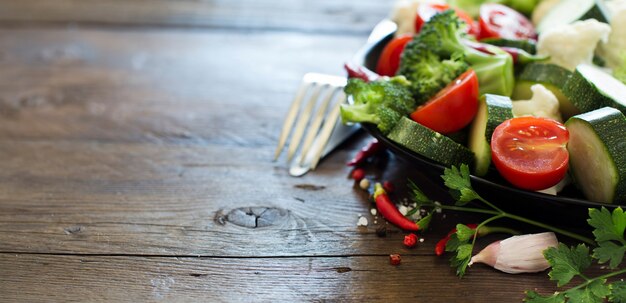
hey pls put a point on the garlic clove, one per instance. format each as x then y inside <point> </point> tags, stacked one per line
<point>518,254</point>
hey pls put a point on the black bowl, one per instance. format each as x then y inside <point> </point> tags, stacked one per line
<point>569,207</point>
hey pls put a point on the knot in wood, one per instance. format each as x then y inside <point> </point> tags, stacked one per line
<point>254,217</point>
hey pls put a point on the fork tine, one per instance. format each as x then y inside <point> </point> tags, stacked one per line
<point>314,127</point>
<point>303,119</point>
<point>327,129</point>
<point>291,116</point>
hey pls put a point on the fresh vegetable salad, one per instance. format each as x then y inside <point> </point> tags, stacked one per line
<point>534,91</point>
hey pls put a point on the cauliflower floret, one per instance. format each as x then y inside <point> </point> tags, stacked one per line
<point>404,13</point>
<point>572,44</point>
<point>614,50</point>
<point>542,104</point>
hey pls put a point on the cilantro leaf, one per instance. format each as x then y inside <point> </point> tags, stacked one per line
<point>595,292</point>
<point>458,181</point>
<point>618,292</point>
<point>567,262</point>
<point>462,258</point>
<point>609,233</point>
<point>533,297</point>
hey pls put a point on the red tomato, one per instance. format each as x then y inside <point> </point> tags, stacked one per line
<point>530,152</point>
<point>500,21</point>
<point>453,107</point>
<point>389,59</point>
<point>427,11</point>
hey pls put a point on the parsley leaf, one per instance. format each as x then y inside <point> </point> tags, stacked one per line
<point>463,232</point>
<point>618,292</point>
<point>459,243</point>
<point>418,195</point>
<point>533,297</point>
<point>459,182</point>
<point>609,233</point>
<point>595,292</point>
<point>567,262</point>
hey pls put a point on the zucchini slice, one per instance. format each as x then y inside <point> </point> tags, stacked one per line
<point>597,159</point>
<point>430,143</point>
<point>492,111</point>
<point>552,77</point>
<point>568,11</point>
<point>591,88</point>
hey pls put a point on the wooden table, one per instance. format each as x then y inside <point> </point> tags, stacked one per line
<point>133,133</point>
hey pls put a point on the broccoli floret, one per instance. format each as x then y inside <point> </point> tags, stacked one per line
<point>443,36</point>
<point>427,71</point>
<point>382,102</point>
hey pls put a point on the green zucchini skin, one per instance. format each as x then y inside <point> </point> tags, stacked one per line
<point>552,77</point>
<point>597,149</point>
<point>588,89</point>
<point>492,111</point>
<point>527,45</point>
<point>430,144</point>
<point>597,10</point>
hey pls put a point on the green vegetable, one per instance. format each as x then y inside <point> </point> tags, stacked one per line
<point>620,72</point>
<point>569,262</point>
<point>528,46</point>
<point>597,160</point>
<point>552,77</point>
<point>492,110</point>
<point>428,72</point>
<point>429,143</point>
<point>382,102</point>
<point>443,35</point>
<point>591,88</point>
<point>568,11</point>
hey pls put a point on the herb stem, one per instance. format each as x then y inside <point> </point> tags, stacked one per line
<point>551,228</point>
<point>589,281</point>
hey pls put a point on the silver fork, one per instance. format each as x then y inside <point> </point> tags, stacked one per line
<point>320,113</point>
<point>325,128</point>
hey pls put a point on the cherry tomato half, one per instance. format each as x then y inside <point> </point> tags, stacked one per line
<point>389,59</point>
<point>426,11</point>
<point>500,21</point>
<point>530,152</point>
<point>453,107</point>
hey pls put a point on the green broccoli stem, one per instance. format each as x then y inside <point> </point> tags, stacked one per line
<point>502,214</point>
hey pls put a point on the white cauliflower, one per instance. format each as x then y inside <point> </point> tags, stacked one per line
<point>404,13</point>
<point>543,103</point>
<point>614,50</point>
<point>572,44</point>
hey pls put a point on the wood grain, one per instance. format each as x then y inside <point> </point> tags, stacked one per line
<point>307,279</point>
<point>309,16</point>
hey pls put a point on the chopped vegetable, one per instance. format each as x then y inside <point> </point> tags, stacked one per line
<point>530,152</point>
<point>542,104</point>
<point>389,59</point>
<point>382,102</point>
<point>453,107</point>
<point>572,44</point>
<point>367,151</point>
<point>499,21</point>
<point>427,10</point>
<point>443,35</point>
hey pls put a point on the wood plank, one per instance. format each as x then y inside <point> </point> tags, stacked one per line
<point>347,279</point>
<point>325,15</point>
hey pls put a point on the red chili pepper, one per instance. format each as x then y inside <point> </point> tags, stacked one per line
<point>361,72</point>
<point>440,247</point>
<point>372,148</point>
<point>388,186</point>
<point>410,240</point>
<point>395,259</point>
<point>389,211</point>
